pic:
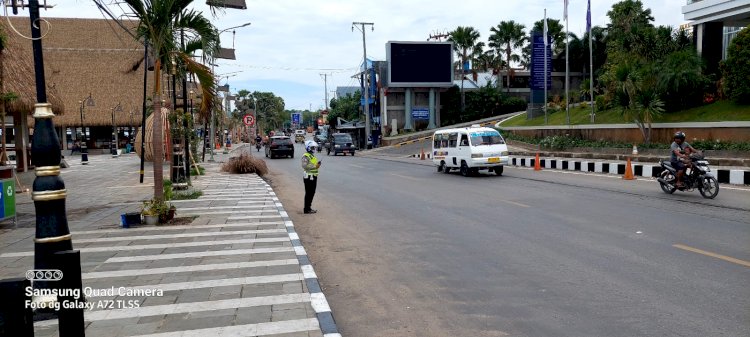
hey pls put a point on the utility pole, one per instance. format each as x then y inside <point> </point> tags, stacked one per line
<point>325,81</point>
<point>366,92</point>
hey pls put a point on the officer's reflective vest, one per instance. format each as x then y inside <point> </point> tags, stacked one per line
<point>312,164</point>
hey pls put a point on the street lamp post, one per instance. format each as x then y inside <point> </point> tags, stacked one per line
<point>88,101</point>
<point>113,147</point>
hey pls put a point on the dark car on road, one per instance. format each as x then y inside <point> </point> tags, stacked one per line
<point>340,143</point>
<point>280,146</point>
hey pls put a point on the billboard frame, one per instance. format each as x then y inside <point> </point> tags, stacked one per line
<point>391,84</point>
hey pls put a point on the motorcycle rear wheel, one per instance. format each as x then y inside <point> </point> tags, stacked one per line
<point>709,187</point>
<point>668,188</point>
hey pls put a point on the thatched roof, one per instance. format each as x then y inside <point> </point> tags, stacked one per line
<point>18,75</point>
<point>91,57</point>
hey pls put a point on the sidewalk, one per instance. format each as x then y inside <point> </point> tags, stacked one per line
<point>237,270</point>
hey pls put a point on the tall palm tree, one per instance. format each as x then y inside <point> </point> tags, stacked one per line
<point>159,23</point>
<point>556,32</point>
<point>506,36</point>
<point>464,43</point>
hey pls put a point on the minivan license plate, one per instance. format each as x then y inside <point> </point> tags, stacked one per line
<point>493,160</point>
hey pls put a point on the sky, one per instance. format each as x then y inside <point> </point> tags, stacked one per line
<point>290,43</point>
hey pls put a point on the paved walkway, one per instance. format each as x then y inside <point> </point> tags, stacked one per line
<point>237,270</point>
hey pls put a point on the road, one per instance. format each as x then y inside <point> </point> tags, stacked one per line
<point>402,250</point>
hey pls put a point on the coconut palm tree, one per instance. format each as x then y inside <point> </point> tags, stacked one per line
<point>464,43</point>
<point>507,36</point>
<point>159,23</point>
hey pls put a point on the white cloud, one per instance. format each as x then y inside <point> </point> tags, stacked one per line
<point>289,39</point>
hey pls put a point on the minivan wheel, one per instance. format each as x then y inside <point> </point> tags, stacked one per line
<point>441,167</point>
<point>498,170</point>
<point>465,169</point>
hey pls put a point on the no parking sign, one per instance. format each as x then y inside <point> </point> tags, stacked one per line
<point>249,120</point>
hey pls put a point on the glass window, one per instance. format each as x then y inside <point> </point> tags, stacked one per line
<point>464,140</point>
<point>486,138</point>
<point>453,139</point>
<point>437,141</point>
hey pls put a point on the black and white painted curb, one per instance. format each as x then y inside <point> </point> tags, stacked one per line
<point>427,155</point>
<point>317,298</point>
<point>648,170</point>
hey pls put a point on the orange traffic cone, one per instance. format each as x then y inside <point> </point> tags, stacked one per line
<point>537,163</point>
<point>218,146</point>
<point>628,171</point>
<point>421,155</point>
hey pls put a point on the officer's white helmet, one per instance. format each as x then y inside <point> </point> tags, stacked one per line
<point>310,145</point>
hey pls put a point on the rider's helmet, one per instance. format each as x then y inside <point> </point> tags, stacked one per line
<point>310,146</point>
<point>679,135</point>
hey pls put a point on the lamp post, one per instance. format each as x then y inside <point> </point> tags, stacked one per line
<point>113,146</point>
<point>88,101</point>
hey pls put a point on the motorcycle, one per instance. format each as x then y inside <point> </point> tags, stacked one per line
<point>257,146</point>
<point>696,175</point>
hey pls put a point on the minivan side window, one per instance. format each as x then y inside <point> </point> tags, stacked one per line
<point>464,140</point>
<point>452,139</point>
<point>437,141</point>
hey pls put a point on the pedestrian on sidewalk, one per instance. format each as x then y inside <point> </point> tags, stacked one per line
<point>310,164</point>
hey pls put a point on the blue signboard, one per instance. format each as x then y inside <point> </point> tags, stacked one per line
<point>420,113</point>
<point>537,63</point>
<point>296,118</point>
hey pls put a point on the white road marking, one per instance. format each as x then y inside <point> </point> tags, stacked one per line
<point>227,212</point>
<point>182,235</point>
<point>166,228</point>
<point>200,254</point>
<point>186,269</point>
<point>405,177</point>
<point>240,200</point>
<point>169,309</point>
<point>250,217</point>
<point>160,246</point>
<point>225,207</point>
<point>249,330</point>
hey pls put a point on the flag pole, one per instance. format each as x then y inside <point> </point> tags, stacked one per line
<point>545,66</point>
<point>567,66</point>
<point>591,66</point>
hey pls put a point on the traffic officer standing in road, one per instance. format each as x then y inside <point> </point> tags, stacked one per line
<point>310,164</point>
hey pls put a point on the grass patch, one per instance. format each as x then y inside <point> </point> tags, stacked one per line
<point>187,195</point>
<point>193,172</point>
<point>720,111</point>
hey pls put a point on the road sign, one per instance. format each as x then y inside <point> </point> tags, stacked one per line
<point>296,118</point>
<point>420,113</point>
<point>249,120</point>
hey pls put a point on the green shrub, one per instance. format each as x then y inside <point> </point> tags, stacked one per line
<point>601,103</point>
<point>195,173</point>
<point>567,142</point>
<point>188,195</point>
<point>736,68</point>
<point>512,104</point>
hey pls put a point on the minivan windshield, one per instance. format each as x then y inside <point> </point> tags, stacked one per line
<point>486,138</point>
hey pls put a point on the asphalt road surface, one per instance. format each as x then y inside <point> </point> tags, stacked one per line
<point>402,250</point>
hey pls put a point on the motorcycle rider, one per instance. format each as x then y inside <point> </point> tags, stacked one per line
<point>310,164</point>
<point>257,142</point>
<point>680,156</point>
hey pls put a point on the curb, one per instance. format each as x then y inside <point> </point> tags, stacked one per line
<point>317,298</point>
<point>733,177</point>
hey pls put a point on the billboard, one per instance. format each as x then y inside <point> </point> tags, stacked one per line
<point>420,64</point>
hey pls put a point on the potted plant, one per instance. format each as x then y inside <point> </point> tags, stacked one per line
<point>171,212</point>
<point>150,212</point>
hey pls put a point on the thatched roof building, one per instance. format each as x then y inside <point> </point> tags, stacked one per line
<point>18,77</point>
<point>93,57</point>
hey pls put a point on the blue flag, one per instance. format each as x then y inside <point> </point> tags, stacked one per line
<point>588,18</point>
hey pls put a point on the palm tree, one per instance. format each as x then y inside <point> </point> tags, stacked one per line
<point>159,23</point>
<point>556,31</point>
<point>506,36</point>
<point>464,43</point>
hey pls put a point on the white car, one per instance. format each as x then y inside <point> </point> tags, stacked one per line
<point>469,150</point>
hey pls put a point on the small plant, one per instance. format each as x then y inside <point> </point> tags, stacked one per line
<point>245,163</point>
<point>193,172</point>
<point>154,207</point>
<point>187,195</point>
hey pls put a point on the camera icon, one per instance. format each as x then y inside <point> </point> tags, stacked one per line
<point>44,275</point>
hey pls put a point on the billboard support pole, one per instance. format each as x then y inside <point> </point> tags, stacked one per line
<point>366,93</point>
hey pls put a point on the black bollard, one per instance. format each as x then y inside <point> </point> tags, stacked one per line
<point>16,317</point>
<point>70,317</point>
<point>84,152</point>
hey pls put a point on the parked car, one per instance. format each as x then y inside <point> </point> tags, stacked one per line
<point>340,143</point>
<point>280,146</point>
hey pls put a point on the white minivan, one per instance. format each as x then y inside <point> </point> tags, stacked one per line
<point>469,150</point>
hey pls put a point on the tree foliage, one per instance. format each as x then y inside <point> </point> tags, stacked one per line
<point>346,107</point>
<point>736,68</point>
<point>465,44</point>
<point>506,37</point>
